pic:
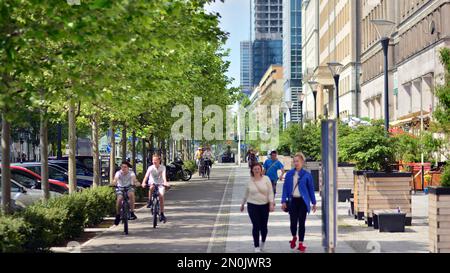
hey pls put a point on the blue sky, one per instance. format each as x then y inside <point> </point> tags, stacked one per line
<point>235,20</point>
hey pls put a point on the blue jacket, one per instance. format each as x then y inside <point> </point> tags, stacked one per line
<point>305,185</point>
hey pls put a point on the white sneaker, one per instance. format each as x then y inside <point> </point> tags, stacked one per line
<point>257,250</point>
<point>262,246</point>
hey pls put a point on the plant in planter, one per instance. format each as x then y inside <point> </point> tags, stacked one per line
<point>374,154</point>
<point>439,197</point>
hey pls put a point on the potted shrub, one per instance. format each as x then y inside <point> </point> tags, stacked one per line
<point>439,197</point>
<point>439,214</point>
<point>377,187</point>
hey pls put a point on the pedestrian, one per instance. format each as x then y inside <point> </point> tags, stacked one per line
<point>252,160</point>
<point>271,167</point>
<point>260,201</point>
<point>297,197</point>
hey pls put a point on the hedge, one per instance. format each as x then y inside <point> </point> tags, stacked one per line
<point>43,225</point>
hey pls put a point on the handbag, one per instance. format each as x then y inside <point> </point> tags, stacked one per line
<point>288,203</point>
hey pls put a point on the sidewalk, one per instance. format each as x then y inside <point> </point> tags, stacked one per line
<point>240,240</point>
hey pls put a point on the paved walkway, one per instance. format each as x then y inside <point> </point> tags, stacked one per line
<point>239,237</point>
<point>203,217</point>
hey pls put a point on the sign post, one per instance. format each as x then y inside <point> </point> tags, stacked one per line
<point>329,190</point>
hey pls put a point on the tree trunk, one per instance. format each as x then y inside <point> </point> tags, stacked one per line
<point>144,156</point>
<point>95,152</point>
<point>72,148</point>
<point>6,171</point>
<point>43,138</point>
<point>133,150</point>
<point>112,156</point>
<point>164,151</point>
<point>124,143</point>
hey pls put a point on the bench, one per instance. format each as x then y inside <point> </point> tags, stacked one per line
<point>389,220</point>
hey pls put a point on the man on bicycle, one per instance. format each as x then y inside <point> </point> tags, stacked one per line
<point>127,179</point>
<point>156,175</point>
<point>207,157</point>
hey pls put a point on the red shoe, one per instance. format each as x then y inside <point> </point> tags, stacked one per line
<point>301,247</point>
<point>293,242</point>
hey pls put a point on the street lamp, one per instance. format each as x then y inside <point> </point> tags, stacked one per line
<point>314,85</point>
<point>301,98</point>
<point>290,104</point>
<point>284,109</point>
<point>384,29</point>
<point>336,69</point>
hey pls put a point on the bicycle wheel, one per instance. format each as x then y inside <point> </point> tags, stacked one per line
<point>155,213</point>
<point>208,171</point>
<point>125,212</point>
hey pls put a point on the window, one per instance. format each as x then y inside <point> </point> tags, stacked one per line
<point>23,179</point>
<point>56,174</point>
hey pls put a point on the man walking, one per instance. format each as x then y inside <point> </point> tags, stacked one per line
<point>271,167</point>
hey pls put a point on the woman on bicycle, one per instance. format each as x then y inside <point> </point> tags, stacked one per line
<point>156,175</point>
<point>126,179</point>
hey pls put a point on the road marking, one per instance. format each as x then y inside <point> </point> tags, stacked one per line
<point>219,213</point>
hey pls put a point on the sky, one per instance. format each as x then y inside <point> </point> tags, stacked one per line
<point>235,20</point>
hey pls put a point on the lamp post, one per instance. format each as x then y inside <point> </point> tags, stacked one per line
<point>336,69</point>
<point>301,98</point>
<point>290,104</point>
<point>284,109</point>
<point>313,85</point>
<point>384,29</point>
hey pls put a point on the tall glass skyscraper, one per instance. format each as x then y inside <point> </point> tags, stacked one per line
<point>265,53</point>
<point>292,55</point>
<point>246,67</point>
<point>268,43</point>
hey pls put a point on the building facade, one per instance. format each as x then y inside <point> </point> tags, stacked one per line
<point>268,19</point>
<point>292,56</point>
<point>268,43</point>
<point>422,28</point>
<point>246,78</point>
<point>339,41</point>
<point>310,54</point>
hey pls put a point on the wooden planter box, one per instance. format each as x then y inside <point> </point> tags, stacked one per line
<point>359,194</point>
<point>345,177</point>
<point>439,219</point>
<point>387,191</point>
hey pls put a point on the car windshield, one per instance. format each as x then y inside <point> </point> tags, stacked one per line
<point>56,174</point>
<point>24,180</point>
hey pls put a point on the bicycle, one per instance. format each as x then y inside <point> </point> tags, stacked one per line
<point>206,168</point>
<point>155,206</point>
<point>125,208</point>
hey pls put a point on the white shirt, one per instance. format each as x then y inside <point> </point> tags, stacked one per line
<point>155,175</point>
<point>207,155</point>
<point>124,180</point>
<point>296,192</point>
<point>259,192</point>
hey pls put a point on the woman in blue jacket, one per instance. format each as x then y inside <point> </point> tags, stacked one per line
<point>298,195</point>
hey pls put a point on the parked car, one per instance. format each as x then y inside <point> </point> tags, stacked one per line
<point>29,180</point>
<point>86,161</point>
<point>54,172</point>
<point>82,171</point>
<point>25,197</point>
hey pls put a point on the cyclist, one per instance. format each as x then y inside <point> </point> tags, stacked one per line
<point>198,157</point>
<point>207,157</point>
<point>125,178</point>
<point>156,175</point>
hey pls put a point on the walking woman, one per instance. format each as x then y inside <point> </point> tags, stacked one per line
<point>260,201</point>
<point>297,197</point>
